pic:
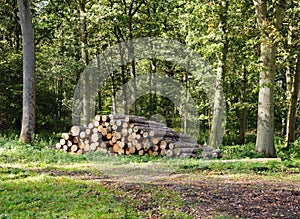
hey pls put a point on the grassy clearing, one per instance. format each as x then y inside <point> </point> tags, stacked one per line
<point>57,197</point>
<point>43,183</point>
<point>25,194</point>
<point>285,171</point>
<point>12,151</point>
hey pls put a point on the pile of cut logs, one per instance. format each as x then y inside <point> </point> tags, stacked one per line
<point>125,135</point>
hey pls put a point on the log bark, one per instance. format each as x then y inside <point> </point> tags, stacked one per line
<point>75,130</point>
<point>120,141</point>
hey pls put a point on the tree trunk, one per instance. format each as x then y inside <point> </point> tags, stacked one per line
<point>288,75</point>
<point>186,100</point>
<point>153,100</point>
<point>123,71</point>
<point>216,132</point>
<point>243,110</point>
<point>265,123</point>
<point>85,60</point>
<point>99,92</point>
<point>291,120</point>
<point>133,69</point>
<point>131,51</point>
<point>28,116</point>
<point>124,101</point>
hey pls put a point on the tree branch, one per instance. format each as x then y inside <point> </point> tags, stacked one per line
<point>46,34</point>
<point>280,13</point>
<point>137,8</point>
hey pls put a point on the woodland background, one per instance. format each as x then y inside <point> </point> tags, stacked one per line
<point>68,34</point>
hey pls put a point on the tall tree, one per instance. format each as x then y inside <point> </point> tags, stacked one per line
<point>268,26</point>
<point>292,70</point>
<point>85,60</point>
<point>28,117</point>
<point>216,132</point>
<point>291,119</point>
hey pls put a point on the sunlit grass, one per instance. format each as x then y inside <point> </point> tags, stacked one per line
<point>43,196</point>
<point>15,152</point>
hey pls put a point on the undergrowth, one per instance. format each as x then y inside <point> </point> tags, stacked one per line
<point>12,151</point>
<point>248,151</point>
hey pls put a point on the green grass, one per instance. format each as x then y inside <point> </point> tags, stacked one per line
<point>27,194</point>
<point>13,151</point>
<point>59,197</point>
<point>248,150</point>
<point>271,168</point>
<point>44,183</point>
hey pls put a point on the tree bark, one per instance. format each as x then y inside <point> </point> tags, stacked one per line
<point>124,70</point>
<point>186,100</point>
<point>85,60</point>
<point>99,92</point>
<point>216,132</point>
<point>292,111</point>
<point>289,74</point>
<point>243,109</point>
<point>132,56</point>
<point>28,116</point>
<point>265,122</point>
<point>153,99</point>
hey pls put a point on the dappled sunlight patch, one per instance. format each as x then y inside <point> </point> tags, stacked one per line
<point>132,169</point>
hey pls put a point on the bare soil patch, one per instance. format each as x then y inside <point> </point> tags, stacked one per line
<point>204,196</point>
<point>214,197</point>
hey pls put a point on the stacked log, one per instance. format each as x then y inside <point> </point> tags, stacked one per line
<point>125,135</point>
<point>70,143</point>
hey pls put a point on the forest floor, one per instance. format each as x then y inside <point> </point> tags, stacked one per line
<point>160,194</point>
<point>223,196</point>
<point>43,183</point>
<point>205,195</point>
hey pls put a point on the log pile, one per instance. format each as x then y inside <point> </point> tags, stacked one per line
<point>125,135</point>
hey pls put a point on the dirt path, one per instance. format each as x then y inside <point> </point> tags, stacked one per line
<point>204,196</point>
<point>254,199</point>
<point>209,196</point>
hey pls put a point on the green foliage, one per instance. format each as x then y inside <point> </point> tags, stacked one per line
<point>10,91</point>
<point>194,23</point>
<point>239,151</point>
<point>203,138</point>
<point>292,152</point>
<point>248,150</point>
